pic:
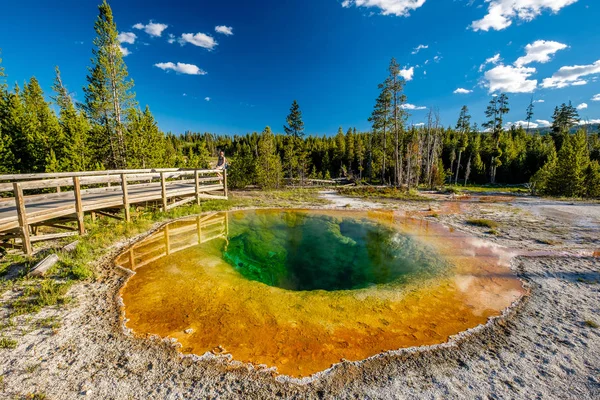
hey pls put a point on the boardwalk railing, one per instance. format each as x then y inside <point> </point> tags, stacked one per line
<point>95,192</point>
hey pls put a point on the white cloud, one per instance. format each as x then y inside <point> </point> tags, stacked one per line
<point>182,68</point>
<point>539,51</point>
<point>207,98</point>
<point>492,60</point>
<point>419,48</point>
<point>127,37</point>
<point>596,97</point>
<point>539,101</point>
<point>582,106</point>
<point>437,59</point>
<point>543,123</point>
<point>462,91</point>
<point>419,124</point>
<point>399,8</point>
<point>501,13</point>
<point>509,79</point>
<point>225,30</point>
<point>407,73</point>
<point>522,124</point>
<point>571,75</point>
<point>152,29</point>
<point>171,38</point>
<point>199,39</point>
<point>409,106</point>
<point>124,51</point>
<point>589,121</point>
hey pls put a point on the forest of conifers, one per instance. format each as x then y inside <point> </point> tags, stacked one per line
<point>108,129</point>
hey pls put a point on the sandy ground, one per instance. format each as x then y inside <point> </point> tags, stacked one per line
<point>540,349</point>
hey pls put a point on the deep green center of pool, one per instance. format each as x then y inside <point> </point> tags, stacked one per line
<point>305,251</point>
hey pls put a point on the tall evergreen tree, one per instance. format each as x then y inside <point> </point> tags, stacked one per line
<point>529,115</point>
<point>295,125</point>
<point>72,154</point>
<point>463,126</point>
<point>380,119</point>
<point>108,95</point>
<point>396,87</point>
<point>268,164</point>
<point>145,143</point>
<point>7,159</point>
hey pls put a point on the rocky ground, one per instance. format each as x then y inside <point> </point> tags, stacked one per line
<point>546,347</point>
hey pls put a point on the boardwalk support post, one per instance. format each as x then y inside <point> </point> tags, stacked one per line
<point>22,216</point>
<point>197,182</point>
<point>225,182</point>
<point>78,205</point>
<point>163,187</point>
<point>125,198</point>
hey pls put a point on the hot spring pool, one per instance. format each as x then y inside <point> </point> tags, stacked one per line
<point>302,290</point>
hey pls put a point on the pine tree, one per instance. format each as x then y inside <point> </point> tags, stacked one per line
<point>529,113</point>
<point>568,178</point>
<point>145,143</point>
<point>380,119</point>
<point>268,164</point>
<point>396,86</point>
<point>360,156</point>
<point>340,150</point>
<point>592,180</point>
<point>72,152</point>
<point>7,159</point>
<point>350,147</point>
<point>463,125</point>
<point>295,125</point>
<point>108,95</point>
<point>564,118</point>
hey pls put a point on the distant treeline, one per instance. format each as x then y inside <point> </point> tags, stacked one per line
<point>108,129</point>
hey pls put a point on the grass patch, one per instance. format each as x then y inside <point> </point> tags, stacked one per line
<point>6,343</point>
<point>591,324</point>
<point>381,193</point>
<point>494,189</point>
<point>484,223</point>
<point>34,297</point>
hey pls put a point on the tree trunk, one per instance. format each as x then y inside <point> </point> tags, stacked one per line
<point>458,167</point>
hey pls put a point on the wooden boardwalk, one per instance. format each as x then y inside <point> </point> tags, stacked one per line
<point>49,199</point>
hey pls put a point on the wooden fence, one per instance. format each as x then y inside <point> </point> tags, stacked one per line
<point>65,196</point>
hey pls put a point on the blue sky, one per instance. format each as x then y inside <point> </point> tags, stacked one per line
<point>328,54</point>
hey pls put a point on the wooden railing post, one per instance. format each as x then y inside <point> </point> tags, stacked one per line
<point>125,197</point>
<point>225,182</point>
<point>22,216</point>
<point>197,182</point>
<point>78,204</point>
<point>163,186</point>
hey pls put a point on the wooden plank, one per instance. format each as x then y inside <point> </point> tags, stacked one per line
<point>52,236</point>
<point>43,266</point>
<point>180,203</point>
<point>125,198</point>
<point>22,217</point>
<point>78,205</point>
<point>225,183</point>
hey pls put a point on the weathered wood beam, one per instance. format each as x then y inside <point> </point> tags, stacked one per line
<point>22,217</point>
